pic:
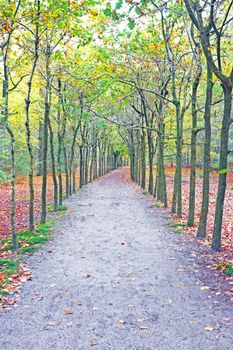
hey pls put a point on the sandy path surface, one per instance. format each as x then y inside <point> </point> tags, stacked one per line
<point>114,278</point>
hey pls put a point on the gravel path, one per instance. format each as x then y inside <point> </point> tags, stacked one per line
<point>114,278</point>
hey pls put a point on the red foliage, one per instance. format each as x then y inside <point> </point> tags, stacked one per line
<point>227,227</point>
<point>22,202</point>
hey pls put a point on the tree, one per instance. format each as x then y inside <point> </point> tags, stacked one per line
<point>198,11</point>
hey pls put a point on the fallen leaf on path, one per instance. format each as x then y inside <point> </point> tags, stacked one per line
<point>226,321</point>
<point>209,328</point>
<point>131,305</point>
<point>52,323</point>
<point>93,342</point>
<point>69,312</point>
<point>23,279</point>
<point>122,321</point>
<point>192,322</point>
<point>86,275</point>
<point>230,294</point>
<point>204,287</point>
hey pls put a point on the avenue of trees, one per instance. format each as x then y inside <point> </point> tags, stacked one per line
<point>90,85</point>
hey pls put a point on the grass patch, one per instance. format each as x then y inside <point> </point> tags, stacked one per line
<point>229,270</point>
<point>145,193</point>
<point>29,242</point>
<point>157,205</point>
<point>226,268</point>
<point>62,208</point>
<point>178,231</point>
<point>168,223</point>
<point>2,291</point>
<point>7,268</point>
<point>44,229</point>
<point>8,264</point>
<point>26,236</point>
<point>179,224</point>
<point>8,246</point>
<point>175,224</point>
<point>59,208</point>
<point>30,249</point>
<point>38,239</point>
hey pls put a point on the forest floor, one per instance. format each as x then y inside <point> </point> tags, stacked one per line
<point>116,276</point>
<point>227,226</point>
<point>22,202</point>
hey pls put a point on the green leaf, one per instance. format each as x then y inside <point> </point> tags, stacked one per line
<point>131,25</point>
<point>108,12</point>
<point>119,4</point>
<point>222,171</point>
<point>100,124</point>
<point>138,11</point>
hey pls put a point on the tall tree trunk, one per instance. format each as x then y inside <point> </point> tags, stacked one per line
<point>55,186</point>
<point>91,165</point>
<point>161,188</point>
<point>27,123</point>
<point>5,95</point>
<point>216,240</point>
<point>192,187</point>
<point>74,178</point>
<point>95,163</point>
<point>66,169</point>
<point>86,164</point>
<point>143,160</point>
<point>12,191</point>
<point>40,150</point>
<point>81,166</point>
<point>59,173</point>
<point>177,192</point>
<point>151,157</point>
<point>45,138</point>
<point>59,149</point>
<point>201,233</point>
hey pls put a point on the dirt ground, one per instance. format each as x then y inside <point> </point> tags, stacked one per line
<point>115,278</point>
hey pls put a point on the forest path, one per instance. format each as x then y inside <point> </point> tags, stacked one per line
<point>122,275</point>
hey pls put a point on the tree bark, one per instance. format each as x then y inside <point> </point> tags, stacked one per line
<point>216,240</point>
<point>5,95</point>
<point>45,138</point>
<point>27,123</point>
<point>192,186</point>
<point>55,185</point>
<point>201,232</point>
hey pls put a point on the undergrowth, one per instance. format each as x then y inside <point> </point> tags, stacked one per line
<point>28,243</point>
<point>226,268</point>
